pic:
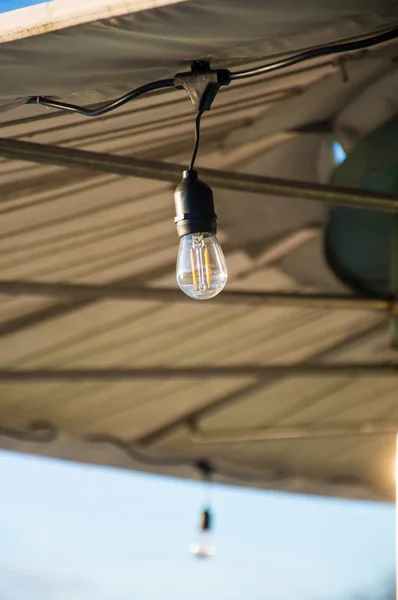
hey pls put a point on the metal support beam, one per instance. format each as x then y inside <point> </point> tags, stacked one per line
<point>157,434</point>
<point>86,292</point>
<point>134,167</point>
<point>236,436</point>
<point>210,372</point>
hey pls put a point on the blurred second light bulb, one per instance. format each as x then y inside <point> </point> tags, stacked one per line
<point>203,546</point>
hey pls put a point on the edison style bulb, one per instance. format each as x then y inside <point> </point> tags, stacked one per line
<point>201,267</point>
<point>203,546</point>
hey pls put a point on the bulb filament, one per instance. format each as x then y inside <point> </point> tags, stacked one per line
<point>194,273</point>
<point>200,263</point>
<point>208,267</point>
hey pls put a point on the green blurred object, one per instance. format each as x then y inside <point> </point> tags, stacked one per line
<point>361,246</point>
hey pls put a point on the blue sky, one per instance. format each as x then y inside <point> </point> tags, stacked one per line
<point>6,5</point>
<point>74,531</point>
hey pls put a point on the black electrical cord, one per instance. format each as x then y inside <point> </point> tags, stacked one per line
<point>38,431</point>
<point>46,432</point>
<point>197,140</point>
<point>138,456</point>
<point>338,48</point>
<point>109,106</point>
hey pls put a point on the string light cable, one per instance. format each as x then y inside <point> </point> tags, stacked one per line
<point>47,432</point>
<point>224,76</point>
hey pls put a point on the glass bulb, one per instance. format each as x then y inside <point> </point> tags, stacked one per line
<point>203,546</point>
<point>201,268</point>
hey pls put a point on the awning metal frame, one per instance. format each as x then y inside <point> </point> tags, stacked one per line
<point>158,434</point>
<point>258,371</point>
<point>93,292</point>
<point>309,431</point>
<point>162,171</point>
<point>65,157</point>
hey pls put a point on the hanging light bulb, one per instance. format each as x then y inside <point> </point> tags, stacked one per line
<point>203,546</point>
<point>201,268</point>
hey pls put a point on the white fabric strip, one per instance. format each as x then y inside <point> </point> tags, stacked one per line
<point>59,14</point>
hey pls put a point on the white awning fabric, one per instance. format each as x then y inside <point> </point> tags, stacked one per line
<point>94,49</point>
<point>68,225</point>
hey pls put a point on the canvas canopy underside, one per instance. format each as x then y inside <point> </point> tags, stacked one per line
<point>70,225</point>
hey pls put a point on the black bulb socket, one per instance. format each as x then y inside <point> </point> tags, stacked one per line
<point>206,520</point>
<point>194,206</point>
